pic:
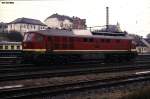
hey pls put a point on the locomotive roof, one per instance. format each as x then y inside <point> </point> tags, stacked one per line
<point>10,43</point>
<point>76,33</point>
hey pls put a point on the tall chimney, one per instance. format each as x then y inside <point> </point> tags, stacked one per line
<point>107,17</point>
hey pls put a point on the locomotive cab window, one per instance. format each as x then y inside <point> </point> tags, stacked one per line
<point>28,37</point>
<point>6,47</point>
<point>39,38</point>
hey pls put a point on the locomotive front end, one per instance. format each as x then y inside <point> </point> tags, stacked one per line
<point>33,46</point>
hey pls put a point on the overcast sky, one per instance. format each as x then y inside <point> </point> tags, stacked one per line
<point>133,15</point>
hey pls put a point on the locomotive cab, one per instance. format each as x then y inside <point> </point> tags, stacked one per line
<point>33,42</point>
<point>33,46</point>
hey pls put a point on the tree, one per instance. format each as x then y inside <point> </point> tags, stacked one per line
<point>15,36</point>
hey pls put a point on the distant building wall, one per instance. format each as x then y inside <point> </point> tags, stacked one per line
<point>65,22</point>
<point>25,24</point>
<point>3,27</point>
<point>56,23</point>
<point>79,23</point>
<point>141,49</point>
<point>53,23</point>
<point>21,27</point>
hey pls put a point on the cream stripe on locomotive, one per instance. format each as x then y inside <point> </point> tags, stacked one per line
<point>42,50</point>
<point>36,50</point>
<point>86,50</point>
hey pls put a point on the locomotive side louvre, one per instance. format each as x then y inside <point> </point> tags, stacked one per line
<point>89,44</point>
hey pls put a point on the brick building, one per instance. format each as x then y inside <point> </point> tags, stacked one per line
<point>65,22</point>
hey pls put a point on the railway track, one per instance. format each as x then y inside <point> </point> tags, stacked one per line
<point>30,67</point>
<point>46,72</point>
<point>14,72</point>
<point>16,58</point>
<point>10,60</point>
<point>48,90</point>
<point>30,71</point>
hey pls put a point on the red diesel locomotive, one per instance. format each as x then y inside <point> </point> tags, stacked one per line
<point>60,46</point>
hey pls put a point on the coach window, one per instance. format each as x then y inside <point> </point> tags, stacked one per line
<point>6,47</point>
<point>12,47</point>
<point>1,47</point>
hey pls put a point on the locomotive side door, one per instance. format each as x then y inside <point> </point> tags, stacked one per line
<point>49,45</point>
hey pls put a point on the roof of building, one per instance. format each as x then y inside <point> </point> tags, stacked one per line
<point>75,32</point>
<point>27,21</point>
<point>60,17</point>
<point>139,42</point>
<point>148,40</point>
<point>1,23</point>
<point>112,28</point>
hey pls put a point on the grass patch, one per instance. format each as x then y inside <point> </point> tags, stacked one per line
<point>139,94</point>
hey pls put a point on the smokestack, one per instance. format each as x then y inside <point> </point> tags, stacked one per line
<point>107,17</point>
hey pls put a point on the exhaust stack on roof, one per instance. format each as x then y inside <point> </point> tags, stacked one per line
<point>107,18</point>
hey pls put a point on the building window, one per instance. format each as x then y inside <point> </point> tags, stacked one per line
<point>27,26</point>
<point>20,26</point>
<point>11,26</point>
